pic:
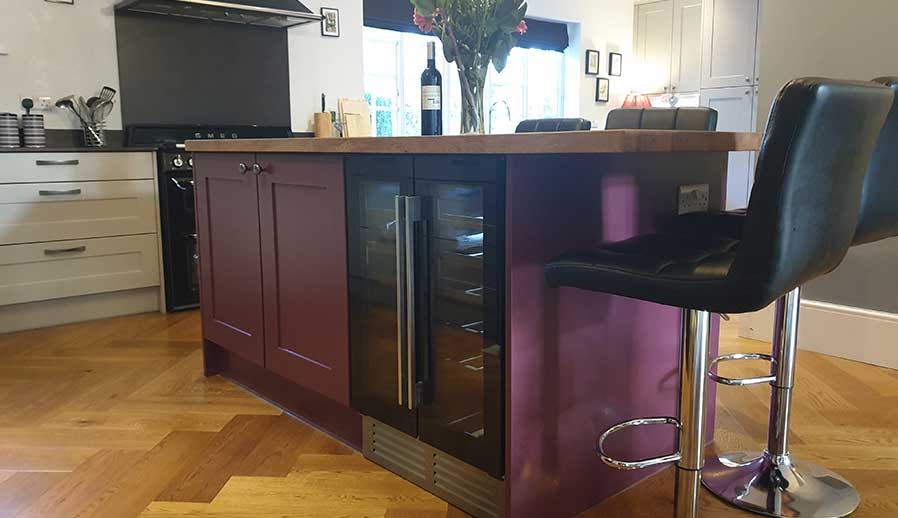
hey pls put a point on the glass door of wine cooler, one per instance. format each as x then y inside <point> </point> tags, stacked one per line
<point>372,187</point>
<point>460,321</point>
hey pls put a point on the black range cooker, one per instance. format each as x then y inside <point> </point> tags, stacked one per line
<point>176,199</point>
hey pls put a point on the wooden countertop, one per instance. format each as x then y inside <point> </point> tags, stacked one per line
<point>573,142</point>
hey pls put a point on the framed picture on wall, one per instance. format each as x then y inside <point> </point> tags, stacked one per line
<point>615,64</point>
<point>330,22</point>
<point>592,62</point>
<point>603,90</point>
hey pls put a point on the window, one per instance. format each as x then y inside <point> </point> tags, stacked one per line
<point>531,86</point>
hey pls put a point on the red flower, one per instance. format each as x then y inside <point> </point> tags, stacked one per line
<point>521,28</point>
<point>424,24</point>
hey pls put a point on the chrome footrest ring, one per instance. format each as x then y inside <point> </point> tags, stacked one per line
<point>741,382</point>
<point>636,464</point>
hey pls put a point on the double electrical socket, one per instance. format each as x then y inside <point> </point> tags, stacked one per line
<point>41,102</point>
<point>692,198</point>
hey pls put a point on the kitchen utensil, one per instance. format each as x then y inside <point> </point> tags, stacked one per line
<point>92,101</point>
<point>107,93</point>
<point>83,109</point>
<point>68,102</point>
<point>28,104</point>
<point>101,110</point>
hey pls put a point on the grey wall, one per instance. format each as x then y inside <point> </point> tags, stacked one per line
<point>835,38</point>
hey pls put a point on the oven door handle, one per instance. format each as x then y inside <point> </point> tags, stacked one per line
<point>179,185</point>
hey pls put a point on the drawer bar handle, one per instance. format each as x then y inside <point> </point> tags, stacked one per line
<point>72,192</point>
<point>57,162</point>
<point>57,251</point>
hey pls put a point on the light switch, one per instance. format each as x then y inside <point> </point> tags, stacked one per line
<point>3,51</point>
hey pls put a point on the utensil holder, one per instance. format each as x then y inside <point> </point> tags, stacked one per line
<point>94,133</point>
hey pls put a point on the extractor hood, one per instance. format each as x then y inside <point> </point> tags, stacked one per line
<point>266,13</point>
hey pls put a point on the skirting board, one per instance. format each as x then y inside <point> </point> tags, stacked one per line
<point>33,315</point>
<point>856,334</point>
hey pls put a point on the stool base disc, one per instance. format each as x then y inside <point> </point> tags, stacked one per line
<point>780,487</point>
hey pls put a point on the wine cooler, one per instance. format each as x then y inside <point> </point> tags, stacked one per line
<point>426,274</point>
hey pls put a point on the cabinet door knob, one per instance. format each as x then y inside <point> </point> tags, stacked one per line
<point>257,169</point>
<point>748,80</point>
<point>241,167</point>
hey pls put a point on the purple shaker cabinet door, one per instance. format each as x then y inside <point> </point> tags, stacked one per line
<point>227,210</point>
<point>303,229</point>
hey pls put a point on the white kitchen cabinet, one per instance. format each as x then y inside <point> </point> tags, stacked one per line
<point>31,212</point>
<point>45,271</point>
<point>79,237</point>
<point>654,36</point>
<point>729,43</point>
<point>735,112</point>
<point>686,55</point>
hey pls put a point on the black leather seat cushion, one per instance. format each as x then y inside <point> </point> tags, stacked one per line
<point>662,268</point>
<point>799,224</point>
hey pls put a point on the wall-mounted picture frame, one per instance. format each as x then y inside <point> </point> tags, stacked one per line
<point>592,62</point>
<point>603,90</point>
<point>330,22</point>
<point>615,64</point>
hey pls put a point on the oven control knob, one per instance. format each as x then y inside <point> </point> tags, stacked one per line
<point>177,161</point>
<point>190,162</point>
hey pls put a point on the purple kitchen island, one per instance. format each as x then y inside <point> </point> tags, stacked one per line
<point>424,334</point>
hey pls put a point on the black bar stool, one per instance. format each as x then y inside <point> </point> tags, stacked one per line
<point>772,482</point>
<point>539,125</point>
<point>820,134</point>
<point>694,119</point>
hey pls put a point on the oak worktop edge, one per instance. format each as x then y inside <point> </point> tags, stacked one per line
<point>575,142</point>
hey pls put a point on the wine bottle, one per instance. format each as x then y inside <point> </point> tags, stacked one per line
<point>431,95</point>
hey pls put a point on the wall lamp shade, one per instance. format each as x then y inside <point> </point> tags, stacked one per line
<point>636,101</point>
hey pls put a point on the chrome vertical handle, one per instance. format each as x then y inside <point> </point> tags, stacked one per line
<point>401,304</point>
<point>412,216</point>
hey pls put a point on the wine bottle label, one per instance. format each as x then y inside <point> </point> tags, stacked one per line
<point>431,98</point>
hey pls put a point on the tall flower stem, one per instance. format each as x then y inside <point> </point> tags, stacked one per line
<point>466,90</point>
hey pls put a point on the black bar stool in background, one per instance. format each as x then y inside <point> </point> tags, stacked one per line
<point>692,119</point>
<point>772,482</point>
<point>540,125</point>
<point>820,134</point>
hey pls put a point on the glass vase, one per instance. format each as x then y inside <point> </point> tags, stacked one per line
<point>472,83</point>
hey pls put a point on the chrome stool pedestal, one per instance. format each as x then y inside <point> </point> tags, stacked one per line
<point>772,483</point>
<point>695,332</point>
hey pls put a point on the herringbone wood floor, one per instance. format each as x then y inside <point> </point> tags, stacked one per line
<point>114,419</point>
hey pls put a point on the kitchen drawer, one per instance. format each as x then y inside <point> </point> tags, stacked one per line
<point>32,212</point>
<point>74,167</point>
<point>41,271</point>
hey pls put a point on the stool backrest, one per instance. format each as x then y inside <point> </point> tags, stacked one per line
<point>693,119</point>
<point>804,206</point>
<point>878,218</point>
<point>538,125</point>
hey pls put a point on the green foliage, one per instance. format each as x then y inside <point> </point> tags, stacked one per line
<point>475,32</point>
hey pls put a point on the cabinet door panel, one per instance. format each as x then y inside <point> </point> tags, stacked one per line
<point>654,30</point>
<point>686,68</point>
<point>303,230</point>
<point>729,37</point>
<point>373,182</point>
<point>227,211</point>
<point>735,107</point>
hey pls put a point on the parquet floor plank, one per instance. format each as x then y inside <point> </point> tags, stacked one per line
<point>114,419</point>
